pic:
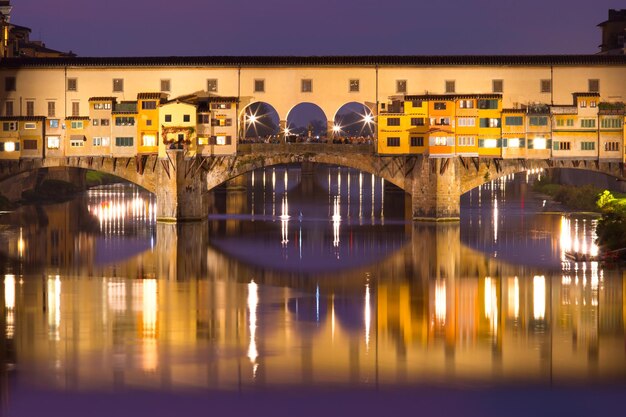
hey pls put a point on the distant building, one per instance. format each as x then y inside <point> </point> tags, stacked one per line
<point>614,33</point>
<point>15,40</point>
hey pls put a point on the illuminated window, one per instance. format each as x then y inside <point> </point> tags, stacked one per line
<point>220,106</point>
<point>401,86</point>
<point>467,121</point>
<point>149,140</point>
<point>53,142</point>
<point>105,122</point>
<point>95,122</point>
<point>77,142</point>
<point>53,123</point>
<point>538,143</point>
<point>466,104</point>
<point>222,140</point>
<point>513,142</point>
<point>466,141</point>
<point>489,122</point>
<point>9,146</point>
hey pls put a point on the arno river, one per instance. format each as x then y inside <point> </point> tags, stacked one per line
<point>308,282</point>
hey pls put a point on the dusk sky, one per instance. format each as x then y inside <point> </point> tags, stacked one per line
<point>320,27</point>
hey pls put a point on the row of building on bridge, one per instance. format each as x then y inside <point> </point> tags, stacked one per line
<point>149,125</point>
<point>477,125</point>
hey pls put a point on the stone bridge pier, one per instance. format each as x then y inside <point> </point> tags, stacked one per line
<point>181,194</point>
<point>436,190</point>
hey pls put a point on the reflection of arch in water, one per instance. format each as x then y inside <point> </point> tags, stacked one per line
<point>354,119</point>
<point>307,117</point>
<point>259,119</point>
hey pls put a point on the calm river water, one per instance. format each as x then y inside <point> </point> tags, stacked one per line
<point>311,295</point>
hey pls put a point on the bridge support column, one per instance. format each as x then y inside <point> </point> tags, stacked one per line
<point>282,125</point>
<point>181,192</point>
<point>436,190</point>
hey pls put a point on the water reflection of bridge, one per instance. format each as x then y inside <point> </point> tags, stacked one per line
<point>185,315</point>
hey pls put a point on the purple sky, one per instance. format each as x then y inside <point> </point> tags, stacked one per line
<point>315,27</point>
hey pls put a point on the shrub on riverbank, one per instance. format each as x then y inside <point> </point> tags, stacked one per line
<point>611,228</point>
<point>581,198</point>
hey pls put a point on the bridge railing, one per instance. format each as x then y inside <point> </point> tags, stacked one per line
<point>360,149</point>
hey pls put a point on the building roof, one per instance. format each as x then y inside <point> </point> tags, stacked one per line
<point>513,110</point>
<point>77,118</point>
<point>103,99</point>
<point>449,97</point>
<point>151,96</point>
<point>225,99</point>
<point>23,118</point>
<point>317,61</point>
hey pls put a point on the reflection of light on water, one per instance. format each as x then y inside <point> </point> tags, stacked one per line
<point>539,297</point>
<point>491,304</point>
<point>565,237</point>
<point>20,245</point>
<point>332,318</point>
<point>54,307</point>
<point>148,307</point>
<point>253,301</point>
<point>336,221</point>
<point>360,197</point>
<point>495,219</point>
<point>9,304</point>
<point>112,208</point>
<point>368,316</point>
<point>116,296</point>
<point>284,221</point>
<point>440,302</point>
<point>513,297</point>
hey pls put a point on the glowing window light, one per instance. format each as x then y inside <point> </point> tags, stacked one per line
<point>491,304</point>
<point>54,307</point>
<point>9,291</point>
<point>220,140</point>
<point>513,143</point>
<point>490,143</point>
<point>9,146</point>
<point>149,308</point>
<point>539,297</point>
<point>149,140</point>
<point>539,143</point>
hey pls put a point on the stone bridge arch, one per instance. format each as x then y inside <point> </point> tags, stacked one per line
<point>396,170</point>
<point>141,170</point>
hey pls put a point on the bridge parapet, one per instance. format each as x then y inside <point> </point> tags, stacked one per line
<point>306,148</point>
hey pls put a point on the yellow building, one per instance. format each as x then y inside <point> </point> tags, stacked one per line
<point>148,121</point>
<point>611,126</point>
<point>177,119</point>
<point>99,133</point>
<point>466,127</point>
<point>10,146</point>
<point>393,128</point>
<point>513,133</point>
<point>77,128</point>
<point>538,131</point>
<point>575,128</point>
<point>223,137</point>
<point>124,129</point>
<point>490,125</point>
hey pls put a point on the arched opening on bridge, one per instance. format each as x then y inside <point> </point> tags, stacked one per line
<point>259,123</point>
<point>306,122</point>
<point>354,121</point>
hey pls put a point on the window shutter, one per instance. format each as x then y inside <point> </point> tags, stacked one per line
<point>499,143</point>
<point>522,143</point>
<point>228,140</point>
<point>556,146</point>
<point>505,143</point>
<point>481,143</point>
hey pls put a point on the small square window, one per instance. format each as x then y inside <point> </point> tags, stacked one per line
<point>165,85</point>
<point>259,86</point>
<point>72,84</point>
<point>211,85</point>
<point>450,86</point>
<point>9,84</point>
<point>497,86</point>
<point>354,86</point>
<point>148,122</point>
<point>307,86</point>
<point>186,118</point>
<point>594,86</point>
<point>546,86</point>
<point>118,85</point>
<point>400,86</point>
<point>168,117</point>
